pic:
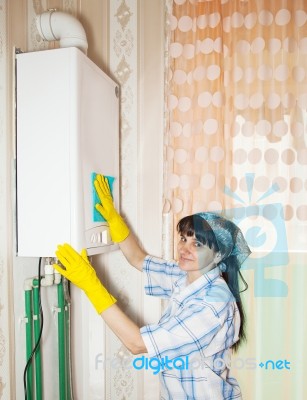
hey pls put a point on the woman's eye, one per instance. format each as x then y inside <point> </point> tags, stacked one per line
<point>198,244</point>
<point>182,239</point>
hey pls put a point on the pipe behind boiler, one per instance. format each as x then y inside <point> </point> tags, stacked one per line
<point>57,25</point>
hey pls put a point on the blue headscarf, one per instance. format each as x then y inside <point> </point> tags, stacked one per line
<point>229,237</point>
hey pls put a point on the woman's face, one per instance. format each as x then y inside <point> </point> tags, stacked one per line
<point>195,256</point>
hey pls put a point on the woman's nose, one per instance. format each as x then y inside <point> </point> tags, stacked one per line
<point>184,247</point>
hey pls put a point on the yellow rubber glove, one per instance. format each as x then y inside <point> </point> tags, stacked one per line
<point>118,229</point>
<point>80,272</point>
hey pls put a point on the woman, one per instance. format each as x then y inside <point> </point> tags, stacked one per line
<point>204,320</point>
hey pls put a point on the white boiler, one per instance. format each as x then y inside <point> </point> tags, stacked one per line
<point>67,131</point>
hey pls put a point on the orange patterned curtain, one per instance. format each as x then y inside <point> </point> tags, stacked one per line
<point>237,103</point>
<point>235,143</point>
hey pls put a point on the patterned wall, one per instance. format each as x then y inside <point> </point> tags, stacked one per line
<point>123,382</point>
<point>122,58</point>
<point>123,63</point>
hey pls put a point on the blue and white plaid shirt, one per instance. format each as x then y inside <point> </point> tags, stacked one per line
<point>200,325</point>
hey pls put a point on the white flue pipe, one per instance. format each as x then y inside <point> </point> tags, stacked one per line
<point>57,25</point>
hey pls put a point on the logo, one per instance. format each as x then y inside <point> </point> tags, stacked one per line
<point>263,227</point>
<point>279,364</point>
<point>185,363</point>
<point>159,364</point>
<point>220,364</point>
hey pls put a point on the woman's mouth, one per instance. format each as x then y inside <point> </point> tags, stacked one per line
<point>184,259</point>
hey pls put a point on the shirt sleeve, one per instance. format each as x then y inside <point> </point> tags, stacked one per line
<point>160,276</point>
<point>190,330</point>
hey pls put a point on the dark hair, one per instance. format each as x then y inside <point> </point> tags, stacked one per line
<point>194,224</point>
<point>203,232</point>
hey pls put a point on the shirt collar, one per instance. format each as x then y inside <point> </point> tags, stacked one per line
<point>204,281</point>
